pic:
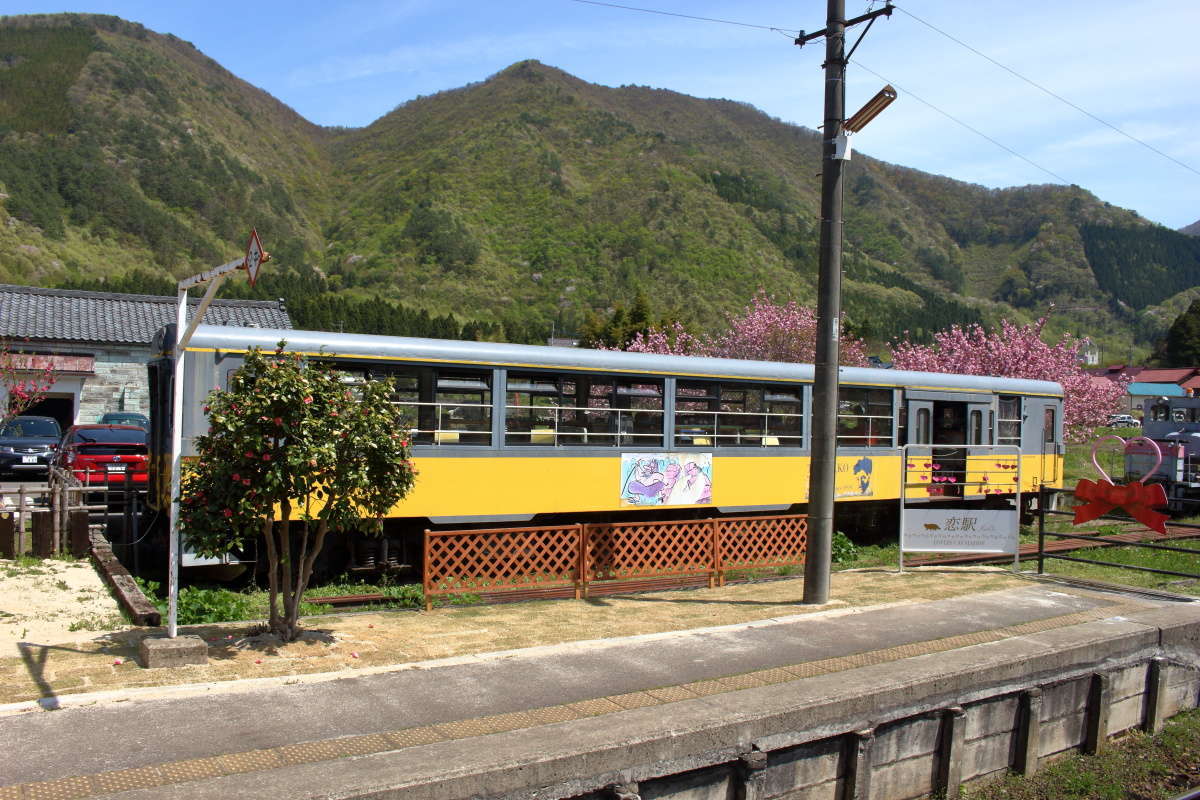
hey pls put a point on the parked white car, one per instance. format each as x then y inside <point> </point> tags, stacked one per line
<point>1123,421</point>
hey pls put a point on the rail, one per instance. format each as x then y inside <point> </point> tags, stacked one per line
<point>582,555</point>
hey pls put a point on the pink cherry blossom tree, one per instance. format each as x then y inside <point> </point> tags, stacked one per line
<point>765,331</point>
<point>1019,352</point>
<point>24,381</point>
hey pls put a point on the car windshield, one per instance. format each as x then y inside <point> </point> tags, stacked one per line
<point>31,427</point>
<point>123,435</point>
<point>123,419</point>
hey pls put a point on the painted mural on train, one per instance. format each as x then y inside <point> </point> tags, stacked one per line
<point>666,479</point>
<point>854,477</point>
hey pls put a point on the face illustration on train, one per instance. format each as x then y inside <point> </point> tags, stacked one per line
<point>862,472</point>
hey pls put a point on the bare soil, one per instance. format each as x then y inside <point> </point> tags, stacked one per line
<point>53,601</point>
<point>61,662</point>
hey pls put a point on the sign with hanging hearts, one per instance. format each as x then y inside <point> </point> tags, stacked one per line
<point>1137,499</point>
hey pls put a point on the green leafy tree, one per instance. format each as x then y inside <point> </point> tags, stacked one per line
<point>1181,348</point>
<point>290,438</point>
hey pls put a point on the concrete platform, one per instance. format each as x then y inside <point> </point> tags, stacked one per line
<point>682,715</point>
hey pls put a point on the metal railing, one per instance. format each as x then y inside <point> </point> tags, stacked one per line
<point>1046,499</point>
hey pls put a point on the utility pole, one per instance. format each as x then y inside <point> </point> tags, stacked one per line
<point>835,150</point>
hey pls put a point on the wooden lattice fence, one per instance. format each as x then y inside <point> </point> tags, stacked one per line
<point>575,556</point>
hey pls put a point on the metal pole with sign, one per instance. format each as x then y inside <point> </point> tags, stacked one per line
<point>951,515</point>
<point>254,258</point>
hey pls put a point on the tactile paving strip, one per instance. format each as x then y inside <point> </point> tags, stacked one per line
<point>330,749</point>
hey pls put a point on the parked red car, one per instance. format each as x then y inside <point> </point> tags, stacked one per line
<point>104,453</point>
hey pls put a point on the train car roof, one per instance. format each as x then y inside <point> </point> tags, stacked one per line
<point>368,347</point>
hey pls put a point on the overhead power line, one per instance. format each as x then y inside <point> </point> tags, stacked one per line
<point>787,31</point>
<point>957,121</point>
<point>1041,88</point>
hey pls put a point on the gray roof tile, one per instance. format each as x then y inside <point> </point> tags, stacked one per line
<point>27,312</point>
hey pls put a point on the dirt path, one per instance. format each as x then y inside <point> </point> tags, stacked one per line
<point>53,602</point>
<point>347,644</point>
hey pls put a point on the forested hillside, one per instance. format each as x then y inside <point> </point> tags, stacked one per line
<point>522,204</point>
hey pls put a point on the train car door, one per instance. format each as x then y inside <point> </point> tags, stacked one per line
<point>1047,418</point>
<point>947,421</point>
<point>919,423</point>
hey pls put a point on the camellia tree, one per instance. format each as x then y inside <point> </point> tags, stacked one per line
<point>1018,352</point>
<point>765,331</point>
<point>293,453</point>
<point>24,380</point>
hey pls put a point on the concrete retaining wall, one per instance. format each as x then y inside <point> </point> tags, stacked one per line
<point>889,731</point>
<point>997,728</point>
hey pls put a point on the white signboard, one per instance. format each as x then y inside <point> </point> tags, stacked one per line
<point>946,530</point>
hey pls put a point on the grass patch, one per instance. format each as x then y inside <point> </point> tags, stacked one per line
<point>1132,556</point>
<point>1077,462</point>
<point>1135,766</point>
<point>199,605</point>
<point>875,555</point>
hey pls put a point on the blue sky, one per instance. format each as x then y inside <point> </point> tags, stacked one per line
<point>1132,64</point>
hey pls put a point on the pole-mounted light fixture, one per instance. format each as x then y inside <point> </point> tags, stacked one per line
<point>870,111</point>
<point>856,123</point>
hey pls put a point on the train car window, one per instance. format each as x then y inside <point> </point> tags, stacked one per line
<point>1009,422</point>
<point>865,417</point>
<point>557,410</point>
<point>924,426</point>
<point>639,413</point>
<point>738,415</point>
<point>696,409</point>
<point>975,428</point>
<point>462,404</point>
<point>783,416</point>
<point>598,418</point>
<point>1048,425</point>
<point>531,409</point>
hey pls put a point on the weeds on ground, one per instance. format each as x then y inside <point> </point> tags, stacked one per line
<point>873,555</point>
<point>98,622</point>
<point>842,549</point>
<point>200,605</point>
<point>1135,766</point>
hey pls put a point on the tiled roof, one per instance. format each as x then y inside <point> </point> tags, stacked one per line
<point>69,315</point>
<point>1174,375</point>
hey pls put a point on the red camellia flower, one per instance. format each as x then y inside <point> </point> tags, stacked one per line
<point>308,400</point>
<point>266,456</point>
<point>279,421</point>
<point>245,481</point>
<point>237,477</point>
<point>228,512</point>
<point>248,454</point>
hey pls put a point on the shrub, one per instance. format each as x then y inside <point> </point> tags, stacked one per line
<point>843,550</point>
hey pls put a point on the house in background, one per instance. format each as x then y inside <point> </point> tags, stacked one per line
<point>1150,382</point>
<point>1139,393</point>
<point>97,344</point>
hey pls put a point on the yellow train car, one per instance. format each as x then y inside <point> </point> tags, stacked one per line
<point>519,434</point>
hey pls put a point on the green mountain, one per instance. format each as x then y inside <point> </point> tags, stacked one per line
<point>521,204</point>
